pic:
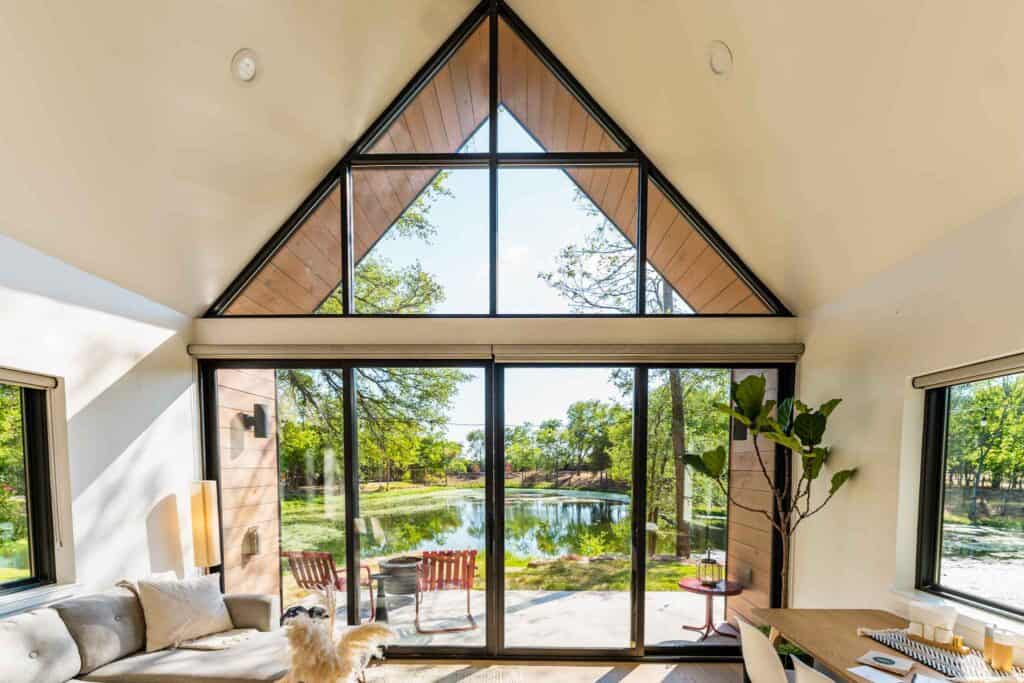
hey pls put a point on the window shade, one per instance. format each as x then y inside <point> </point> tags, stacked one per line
<point>1007,365</point>
<point>30,380</point>
<point>647,353</point>
<point>341,351</point>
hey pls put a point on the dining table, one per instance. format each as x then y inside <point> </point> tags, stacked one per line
<point>830,636</point>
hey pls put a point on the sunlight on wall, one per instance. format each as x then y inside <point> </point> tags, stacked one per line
<point>127,388</point>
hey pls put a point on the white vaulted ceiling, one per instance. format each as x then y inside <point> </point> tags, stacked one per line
<point>847,137</point>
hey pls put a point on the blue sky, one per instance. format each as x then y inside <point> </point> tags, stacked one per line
<point>531,395</point>
<point>537,217</point>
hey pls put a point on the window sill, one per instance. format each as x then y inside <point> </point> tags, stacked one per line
<point>36,597</point>
<point>971,618</point>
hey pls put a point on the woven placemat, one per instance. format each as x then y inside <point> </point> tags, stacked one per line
<point>965,668</point>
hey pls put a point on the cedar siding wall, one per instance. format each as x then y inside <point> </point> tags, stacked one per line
<point>750,535</point>
<point>248,477</point>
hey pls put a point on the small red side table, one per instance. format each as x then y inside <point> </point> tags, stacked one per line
<point>723,588</point>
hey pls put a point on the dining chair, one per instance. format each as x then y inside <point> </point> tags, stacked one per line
<point>760,659</point>
<point>808,674</point>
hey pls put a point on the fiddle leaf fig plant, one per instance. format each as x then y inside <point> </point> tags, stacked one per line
<point>799,429</point>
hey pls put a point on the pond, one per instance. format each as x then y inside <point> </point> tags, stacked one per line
<point>540,524</point>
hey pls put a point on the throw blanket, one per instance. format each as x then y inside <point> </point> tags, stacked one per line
<point>219,641</point>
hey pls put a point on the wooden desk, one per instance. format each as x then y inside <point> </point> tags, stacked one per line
<point>830,635</point>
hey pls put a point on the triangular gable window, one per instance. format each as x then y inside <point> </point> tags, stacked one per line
<point>526,203</point>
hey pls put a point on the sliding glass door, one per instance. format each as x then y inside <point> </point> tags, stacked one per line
<point>488,508</point>
<point>567,484</point>
<point>686,510</point>
<point>421,447</point>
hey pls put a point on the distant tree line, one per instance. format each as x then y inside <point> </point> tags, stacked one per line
<point>985,445</point>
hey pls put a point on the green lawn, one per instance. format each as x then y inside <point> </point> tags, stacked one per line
<point>13,574</point>
<point>605,575</point>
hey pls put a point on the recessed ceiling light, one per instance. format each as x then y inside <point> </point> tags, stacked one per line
<point>244,65</point>
<point>719,58</point>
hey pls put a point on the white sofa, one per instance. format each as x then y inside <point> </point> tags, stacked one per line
<point>102,638</point>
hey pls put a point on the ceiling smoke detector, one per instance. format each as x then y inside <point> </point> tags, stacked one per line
<point>244,65</point>
<point>719,58</point>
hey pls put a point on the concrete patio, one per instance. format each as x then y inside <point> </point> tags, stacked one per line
<point>582,619</point>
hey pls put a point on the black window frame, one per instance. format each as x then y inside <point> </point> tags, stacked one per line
<point>358,156</point>
<point>38,485</point>
<point>931,503</point>
<point>495,647</point>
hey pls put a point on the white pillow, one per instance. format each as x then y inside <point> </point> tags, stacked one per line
<point>182,610</point>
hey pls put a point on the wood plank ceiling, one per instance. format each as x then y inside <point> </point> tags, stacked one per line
<point>440,119</point>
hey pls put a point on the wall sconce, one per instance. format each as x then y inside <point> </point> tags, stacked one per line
<point>205,523</point>
<point>257,422</point>
<point>251,542</point>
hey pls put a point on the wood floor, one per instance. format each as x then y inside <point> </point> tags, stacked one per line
<point>570,672</point>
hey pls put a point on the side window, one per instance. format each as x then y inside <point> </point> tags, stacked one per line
<point>973,515</point>
<point>26,537</point>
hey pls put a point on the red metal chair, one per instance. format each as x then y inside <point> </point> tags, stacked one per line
<point>313,570</point>
<point>446,570</point>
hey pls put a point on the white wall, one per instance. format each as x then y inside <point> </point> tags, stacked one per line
<point>955,302</point>
<point>129,413</point>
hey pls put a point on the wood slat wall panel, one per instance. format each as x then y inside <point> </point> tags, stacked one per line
<point>248,476</point>
<point>260,575</point>
<point>303,272</point>
<point>441,117</point>
<point>250,495</point>
<point>244,477</point>
<point>234,561</point>
<point>749,534</point>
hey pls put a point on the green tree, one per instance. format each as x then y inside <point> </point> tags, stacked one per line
<point>400,410</point>
<point>985,435</point>
<point>12,463</point>
<point>521,450</point>
<point>599,275</point>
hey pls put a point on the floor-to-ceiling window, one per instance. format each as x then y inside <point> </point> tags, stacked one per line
<point>521,538</point>
<point>686,510</point>
<point>568,475</point>
<point>422,523</point>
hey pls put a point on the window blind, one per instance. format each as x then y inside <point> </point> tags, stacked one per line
<point>625,354</point>
<point>30,380</point>
<point>1006,365</point>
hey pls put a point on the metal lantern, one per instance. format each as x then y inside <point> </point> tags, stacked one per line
<point>709,570</point>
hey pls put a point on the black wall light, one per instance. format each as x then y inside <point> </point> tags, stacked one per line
<point>257,421</point>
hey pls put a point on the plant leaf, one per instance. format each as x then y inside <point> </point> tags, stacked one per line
<point>738,416</point>
<point>697,463</point>
<point>809,428</point>
<point>790,442</point>
<point>828,406</point>
<point>812,464</point>
<point>801,407</point>
<point>840,478</point>
<point>785,414</point>
<point>714,461</point>
<point>748,396</point>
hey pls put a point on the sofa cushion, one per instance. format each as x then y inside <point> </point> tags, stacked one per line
<point>249,610</point>
<point>264,657</point>
<point>35,647</point>
<point>106,626</point>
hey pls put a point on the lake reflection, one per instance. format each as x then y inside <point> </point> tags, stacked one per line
<point>538,523</point>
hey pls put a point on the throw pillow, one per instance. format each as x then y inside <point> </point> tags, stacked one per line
<point>182,610</point>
